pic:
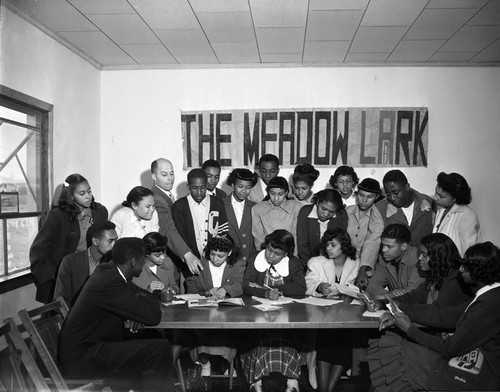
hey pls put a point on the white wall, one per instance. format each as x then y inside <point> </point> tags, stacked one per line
<point>140,118</point>
<point>36,65</point>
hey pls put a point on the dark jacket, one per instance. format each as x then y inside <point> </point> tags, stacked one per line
<point>294,284</point>
<point>57,238</point>
<point>73,272</point>
<point>232,279</point>
<point>184,220</point>
<point>242,235</point>
<point>308,232</point>
<point>104,304</point>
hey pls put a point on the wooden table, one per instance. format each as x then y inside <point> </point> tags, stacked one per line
<point>290,316</point>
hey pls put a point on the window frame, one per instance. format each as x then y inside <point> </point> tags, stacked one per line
<point>17,99</point>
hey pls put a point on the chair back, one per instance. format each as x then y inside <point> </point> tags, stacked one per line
<point>43,326</point>
<point>18,369</point>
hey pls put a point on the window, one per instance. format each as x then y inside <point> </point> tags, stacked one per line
<point>24,177</point>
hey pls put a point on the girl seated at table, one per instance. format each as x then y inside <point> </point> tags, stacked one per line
<point>221,277</point>
<point>337,265</point>
<point>158,273</point>
<point>270,273</point>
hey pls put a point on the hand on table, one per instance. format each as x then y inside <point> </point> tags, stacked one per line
<point>272,294</point>
<point>324,288</point>
<point>217,293</point>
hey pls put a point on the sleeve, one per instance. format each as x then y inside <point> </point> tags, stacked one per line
<point>117,220</point>
<point>257,228</point>
<point>64,284</point>
<point>235,289</point>
<point>191,286</point>
<point>371,246</point>
<point>170,268</point>
<point>168,229</point>
<point>479,317</point>
<point>296,286</point>
<point>128,301</point>
<point>378,281</point>
<point>155,226</point>
<point>252,276</point>
<point>313,277</point>
<point>416,296</point>
<point>303,234</point>
<point>414,279</point>
<point>43,267</point>
<point>436,317</point>
<point>469,230</point>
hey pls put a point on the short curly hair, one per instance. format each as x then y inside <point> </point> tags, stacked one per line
<point>343,171</point>
<point>482,261</point>
<point>305,172</point>
<point>345,242</point>
<point>222,243</point>
<point>456,186</point>
<point>443,258</point>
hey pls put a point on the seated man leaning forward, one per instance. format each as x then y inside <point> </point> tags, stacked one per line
<point>396,269</point>
<point>93,342</point>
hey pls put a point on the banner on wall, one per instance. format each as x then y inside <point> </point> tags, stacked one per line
<point>359,137</point>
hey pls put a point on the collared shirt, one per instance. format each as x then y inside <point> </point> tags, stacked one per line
<point>153,268</point>
<point>129,225</point>
<point>92,263</point>
<point>266,218</point>
<point>483,290</point>
<point>121,273</point>
<point>168,193</point>
<point>199,212</point>
<point>238,207</point>
<point>281,269</point>
<point>351,200</point>
<point>365,230</point>
<point>217,273</point>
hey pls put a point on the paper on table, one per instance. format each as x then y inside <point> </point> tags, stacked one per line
<point>174,302</point>
<point>186,297</point>
<point>318,301</point>
<point>375,314</point>
<point>348,289</point>
<point>279,301</point>
<point>267,308</point>
<point>356,302</point>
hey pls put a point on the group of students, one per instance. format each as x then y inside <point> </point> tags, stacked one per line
<point>268,239</point>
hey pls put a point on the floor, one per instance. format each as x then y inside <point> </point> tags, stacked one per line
<point>277,383</point>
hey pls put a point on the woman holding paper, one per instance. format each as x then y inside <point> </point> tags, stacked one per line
<point>337,266</point>
<point>271,272</point>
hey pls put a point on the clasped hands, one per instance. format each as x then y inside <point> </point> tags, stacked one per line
<point>216,293</point>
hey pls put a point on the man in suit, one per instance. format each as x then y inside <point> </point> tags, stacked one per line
<point>397,265</point>
<point>406,206</point>
<point>163,176</point>
<point>239,210</point>
<point>212,169</point>
<point>198,216</point>
<point>269,168</point>
<point>77,267</point>
<point>93,342</point>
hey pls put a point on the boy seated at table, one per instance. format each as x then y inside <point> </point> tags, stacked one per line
<point>221,277</point>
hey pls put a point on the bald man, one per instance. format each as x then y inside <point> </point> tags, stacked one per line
<point>163,176</point>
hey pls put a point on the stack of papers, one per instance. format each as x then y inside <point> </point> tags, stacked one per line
<point>318,301</point>
<point>277,302</point>
<point>375,314</point>
<point>267,308</point>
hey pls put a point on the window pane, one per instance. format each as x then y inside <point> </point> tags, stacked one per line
<point>20,234</point>
<point>20,157</point>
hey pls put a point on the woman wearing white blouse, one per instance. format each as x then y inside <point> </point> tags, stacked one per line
<point>138,216</point>
<point>454,217</point>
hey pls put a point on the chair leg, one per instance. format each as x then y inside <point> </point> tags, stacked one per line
<point>180,375</point>
<point>231,373</point>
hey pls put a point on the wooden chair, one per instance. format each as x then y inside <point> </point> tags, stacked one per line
<point>18,369</point>
<point>43,326</point>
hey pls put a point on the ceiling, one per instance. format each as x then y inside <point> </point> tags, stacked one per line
<point>128,34</point>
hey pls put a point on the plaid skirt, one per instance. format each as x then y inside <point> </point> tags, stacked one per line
<point>276,352</point>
